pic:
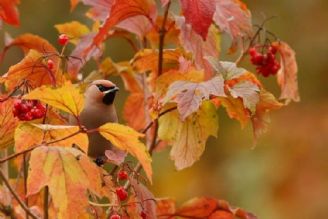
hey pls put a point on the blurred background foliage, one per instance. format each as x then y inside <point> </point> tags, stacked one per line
<point>286,175</point>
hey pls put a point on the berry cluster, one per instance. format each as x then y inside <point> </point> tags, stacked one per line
<point>26,110</point>
<point>266,63</point>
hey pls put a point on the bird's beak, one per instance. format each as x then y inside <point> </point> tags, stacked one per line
<point>114,89</point>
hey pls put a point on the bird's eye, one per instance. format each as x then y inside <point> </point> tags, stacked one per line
<point>102,88</point>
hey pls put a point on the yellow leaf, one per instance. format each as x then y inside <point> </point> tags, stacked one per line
<point>69,174</point>
<point>127,139</point>
<point>188,138</point>
<point>24,138</point>
<point>74,30</point>
<point>7,123</point>
<point>67,98</point>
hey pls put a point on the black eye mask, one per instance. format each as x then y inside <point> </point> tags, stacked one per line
<point>109,92</point>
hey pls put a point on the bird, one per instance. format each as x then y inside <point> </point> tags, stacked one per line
<point>98,109</point>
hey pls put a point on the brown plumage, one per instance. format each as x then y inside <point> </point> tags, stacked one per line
<point>98,110</point>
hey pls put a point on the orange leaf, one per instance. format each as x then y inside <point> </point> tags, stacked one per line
<point>198,208</point>
<point>9,12</point>
<point>134,111</point>
<point>46,133</point>
<point>33,69</point>
<point>69,174</point>
<point>260,119</point>
<point>67,98</point>
<point>74,30</point>
<point>30,41</point>
<point>165,206</point>
<point>7,123</point>
<point>127,139</point>
<point>287,75</point>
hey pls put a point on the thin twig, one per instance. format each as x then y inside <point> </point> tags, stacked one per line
<point>25,181</point>
<point>20,202</point>
<point>46,203</point>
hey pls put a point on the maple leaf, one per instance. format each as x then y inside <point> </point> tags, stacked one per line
<point>67,98</point>
<point>32,69</point>
<point>133,111</point>
<point>127,139</point>
<point>188,138</point>
<point>9,12</point>
<point>248,91</point>
<point>74,30</point>
<point>199,14</point>
<point>7,123</point>
<point>147,60</point>
<point>199,48</point>
<point>145,197</point>
<point>235,109</point>
<point>233,17</point>
<point>189,95</point>
<point>30,41</point>
<point>121,10</point>
<point>260,119</point>
<point>68,173</point>
<point>205,207</point>
<point>48,133</point>
<point>287,75</point>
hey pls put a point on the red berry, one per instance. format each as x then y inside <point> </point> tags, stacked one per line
<point>122,175</point>
<point>121,193</point>
<point>143,215</point>
<point>50,64</point>
<point>63,39</point>
<point>257,59</point>
<point>252,51</point>
<point>115,216</point>
<point>273,49</point>
<point>28,116</point>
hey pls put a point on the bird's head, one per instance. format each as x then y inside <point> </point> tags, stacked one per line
<point>101,91</point>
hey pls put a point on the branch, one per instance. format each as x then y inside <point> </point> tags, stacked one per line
<point>162,33</point>
<point>20,202</point>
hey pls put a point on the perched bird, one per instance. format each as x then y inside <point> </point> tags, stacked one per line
<point>98,109</point>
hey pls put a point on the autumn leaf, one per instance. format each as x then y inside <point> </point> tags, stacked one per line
<point>165,206</point>
<point>233,17</point>
<point>199,48</point>
<point>9,12</point>
<point>30,41</point>
<point>249,93</point>
<point>120,11</point>
<point>188,138</point>
<point>74,30</point>
<point>235,109</point>
<point>134,111</point>
<point>68,173</point>
<point>198,207</point>
<point>127,139</point>
<point>48,133</point>
<point>67,98</point>
<point>7,123</point>
<point>190,95</point>
<point>73,4</point>
<point>261,120</point>
<point>205,207</point>
<point>32,69</point>
<point>287,75</point>
<point>147,60</point>
<point>199,14</point>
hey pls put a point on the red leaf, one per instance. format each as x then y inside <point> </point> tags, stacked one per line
<point>287,75</point>
<point>199,49</point>
<point>122,10</point>
<point>199,14</point>
<point>233,17</point>
<point>9,12</point>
